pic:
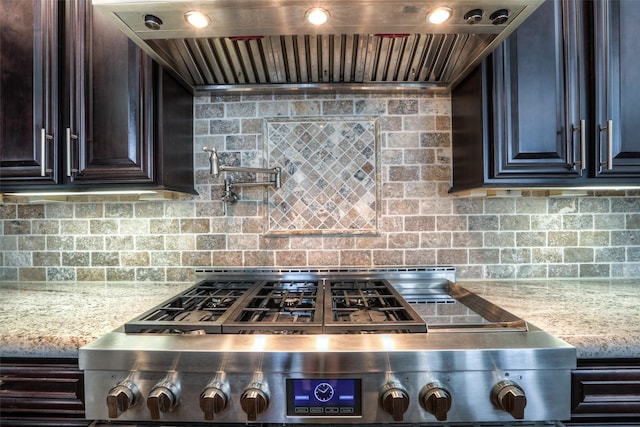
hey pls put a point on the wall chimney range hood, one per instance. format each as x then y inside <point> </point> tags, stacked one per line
<point>271,45</point>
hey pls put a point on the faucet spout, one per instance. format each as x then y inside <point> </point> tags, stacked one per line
<point>230,196</point>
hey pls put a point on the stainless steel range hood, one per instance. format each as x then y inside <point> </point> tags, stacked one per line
<point>268,45</point>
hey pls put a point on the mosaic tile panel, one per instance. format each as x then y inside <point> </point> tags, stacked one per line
<point>330,176</point>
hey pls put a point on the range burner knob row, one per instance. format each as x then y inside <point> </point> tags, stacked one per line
<point>509,397</point>
<point>163,397</point>
<point>214,398</point>
<point>394,400</point>
<point>255,400</point>
<point>123,396</point>
<point>436,400</point>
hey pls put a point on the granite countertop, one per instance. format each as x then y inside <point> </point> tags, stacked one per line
<point>44,319</point>
<point>600,318</point>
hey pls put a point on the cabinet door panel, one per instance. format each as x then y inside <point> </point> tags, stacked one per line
<point>537,96</point>
<point>606,390</point>
<point>41,392</point>
<point>28,92</point>
<point>617,88</point>
<point>112,99</point>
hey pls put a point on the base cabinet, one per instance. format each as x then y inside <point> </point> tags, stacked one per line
<point>41,392</point>
<point>606,390</point>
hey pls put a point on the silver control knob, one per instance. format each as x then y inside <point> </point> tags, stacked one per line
<point>436,400</point>
<point>255,400</point>
<point>163,397</point>
<point>213,399</point>
<point>510,397</point>
<point>123,396</point>
<point>473,16</point>
<point>499,17</point>
<point>394,400</point>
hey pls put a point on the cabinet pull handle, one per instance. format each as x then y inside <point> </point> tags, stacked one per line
<point>609,129</point>
<point>583,148</point>
<point>43,151</point>
<point>70,136</point>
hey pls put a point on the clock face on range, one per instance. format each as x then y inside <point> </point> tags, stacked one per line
<point>323,392</point>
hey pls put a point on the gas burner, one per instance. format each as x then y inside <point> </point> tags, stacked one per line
<point>220,302</point>
<point>291,302</point>
<point>286,302</point>
<point>367,316</point>
<point>356,302</point>
<point>281,316</point>
<point>194,316</point>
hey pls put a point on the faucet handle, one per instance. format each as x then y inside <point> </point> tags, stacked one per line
<point>214,161</point>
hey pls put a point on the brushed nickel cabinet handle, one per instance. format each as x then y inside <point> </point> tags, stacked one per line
<point>43,152</point>
<point>609,129</point>
<point>583,149</point>
<point>69,137</point>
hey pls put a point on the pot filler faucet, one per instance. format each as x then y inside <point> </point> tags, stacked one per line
<point>229,195</point>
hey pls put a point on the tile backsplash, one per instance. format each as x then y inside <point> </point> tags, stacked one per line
<point>331,181</point>
<point>120,238</point>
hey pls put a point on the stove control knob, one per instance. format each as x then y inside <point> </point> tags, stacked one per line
<point>120,398</point>
<point>213,399</point>
<point>436,400</point>
<point>394,400</point>
<point>255,400</point>
<point>163,397</point>
<point>509,396</point>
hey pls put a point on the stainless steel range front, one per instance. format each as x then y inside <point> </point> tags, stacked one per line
<point>327,347</point>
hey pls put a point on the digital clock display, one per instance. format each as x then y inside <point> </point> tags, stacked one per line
<point>323,397</point>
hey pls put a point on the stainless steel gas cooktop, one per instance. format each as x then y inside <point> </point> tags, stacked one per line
<point>327,347</point>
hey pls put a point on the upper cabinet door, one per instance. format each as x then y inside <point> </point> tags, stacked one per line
<point>617,78</point>
<point>28,92</point>
<point>109,122</point>
<point>538,96</point>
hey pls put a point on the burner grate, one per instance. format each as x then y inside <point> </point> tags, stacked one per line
<point>368,306</point>
<point>280,307</point>
<point>201,308</point>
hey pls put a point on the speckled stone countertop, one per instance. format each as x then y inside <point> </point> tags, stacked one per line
<point>601,318</point>
<point>44,319</point>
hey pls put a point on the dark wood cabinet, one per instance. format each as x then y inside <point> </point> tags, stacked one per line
<point>108,85</point>
<point>606,390</point>
<point>617,89</point>
<point>110,100</point>
<point>538,98</point>
<point>28,91</point>
<point>41,392</point>
<point>551,105</point>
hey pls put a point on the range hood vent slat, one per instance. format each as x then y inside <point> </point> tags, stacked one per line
<point>212,60</point>
<point>315,59</point>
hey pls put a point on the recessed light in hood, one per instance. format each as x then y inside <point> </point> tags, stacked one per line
<point>267,45</point>
<point>317,16</point>
<point>439,15</point>
<point>197,19</point>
